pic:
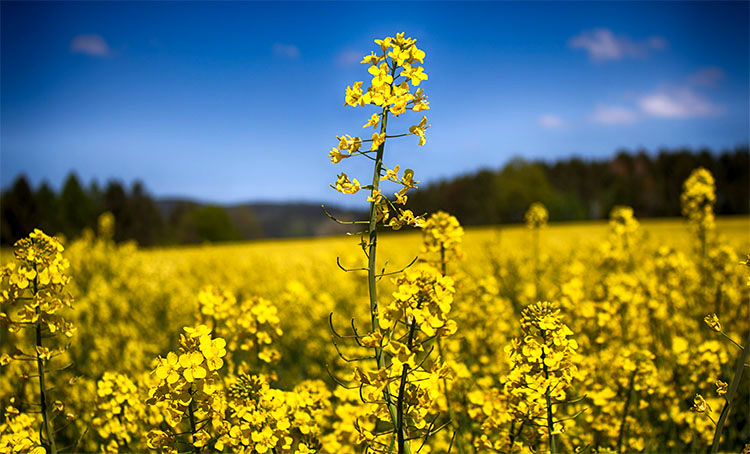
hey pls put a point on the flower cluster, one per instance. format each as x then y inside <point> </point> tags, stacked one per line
<point>118,412</point>
<point>38,281</point>
<point>263,419</point>
<point>394,71</point>
<point>397,54</point>
<point>622,221</point>
<point>442,235</point>
<point>33,296</point>
<point>542,364</point>
<point>536,216</point>
<point>259,418</point>
<point>417,313</point>
<point>250,327</point>
<point>188,387</point>
<point>422,300</point>
<point>623,238</point>
<point>20,433</point>
<point>698,199</point>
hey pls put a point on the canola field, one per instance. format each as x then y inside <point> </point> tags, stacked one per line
<point>636,313</point>
<point>605,337</point>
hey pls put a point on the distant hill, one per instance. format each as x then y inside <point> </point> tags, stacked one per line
<point>273,220</point>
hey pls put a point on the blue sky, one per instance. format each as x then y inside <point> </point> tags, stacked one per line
<point>242,101</point>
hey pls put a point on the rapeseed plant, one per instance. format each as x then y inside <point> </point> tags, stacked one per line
<point>421,304</point>
<point>727,392</point>
<point>118,413</point>
<point>32,298</point>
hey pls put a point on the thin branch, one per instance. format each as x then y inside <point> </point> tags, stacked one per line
<point>730,395</point>
<point>340,221</point>
<point>333,330</point>
<point>339,382</point>
<point>414,260</point>
<point>350,360</point>
<point>338,262</point>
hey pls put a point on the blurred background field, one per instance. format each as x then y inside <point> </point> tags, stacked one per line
<point>131,304</point>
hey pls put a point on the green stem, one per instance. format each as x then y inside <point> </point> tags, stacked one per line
<point>731,340</point>
<point>550,425</point>
<point>403,447</point>
<point>459,444</point>
<point>371,264</point>
<point>730,395</point>
<point>48,432</point>
<point>191,415</point>
<point>373,244</point>
<point>623,424</point>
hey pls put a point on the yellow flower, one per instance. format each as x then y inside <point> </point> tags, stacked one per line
<point>372,59</point>
<point>713,322</point>
<point>398,55</point>
<point>419,129</point>
<point>721,387</point>
<point>380,75</point>
<point>700,405</point>
<point>373,121</point>
<point>336,155</point>
<point>167,368</point>
<point>384,43</point>
<point>416,74</point>
<point>401,197</point>
<point>345,186</point>
<point>372,339</point>
<point>213,350</point>
<point>197,332</point>
<point>354,95</point>
<point>416,54</point>
<point>375,196</point>
<point>349,143</point>
<point>408,179</point>
<point>390,174</point>
<point>191,364</point>
<point>377,140</point>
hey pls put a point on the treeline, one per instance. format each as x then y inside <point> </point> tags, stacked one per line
<point>576,188</point>
<point>572,189</point>
<point>137,215</point>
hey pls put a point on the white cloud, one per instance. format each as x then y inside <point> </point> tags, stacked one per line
<point>551,121</point>
<point>613,115</point>
<point>93,45</point>
<point>679,103</point>
<point>601,44</point>
<point>348,58</point>
<point>706,77</point>
<point>286,50</point>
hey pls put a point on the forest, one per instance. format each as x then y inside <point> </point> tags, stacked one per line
<point>572,189</point>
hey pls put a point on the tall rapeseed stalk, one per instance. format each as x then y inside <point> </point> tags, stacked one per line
<point>405,384</point>
<point>37,286</point>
